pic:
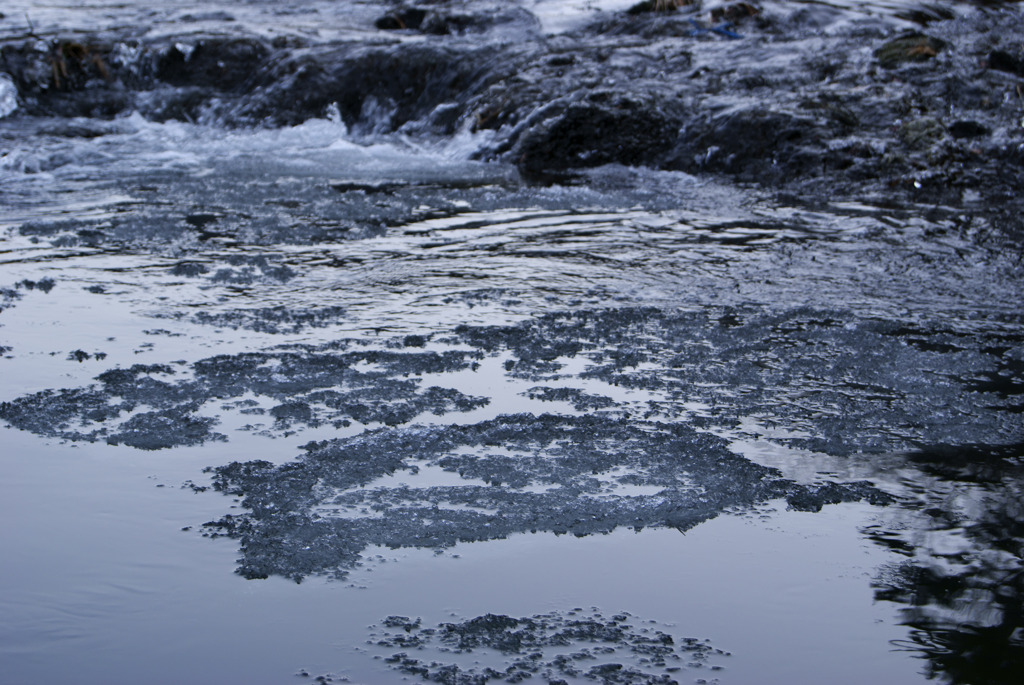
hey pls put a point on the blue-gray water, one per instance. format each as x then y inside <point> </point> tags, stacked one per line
<point>375,350</point>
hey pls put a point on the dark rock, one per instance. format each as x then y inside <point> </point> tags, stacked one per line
<point>659,6</point>
<point>1004,61</point>
<point>220,64</point>
<point>65,78</point>
<point>381,88</point>
<point>441,23</point>
<point>401,18</point>
<point>922,133</point>
<point>734,13</point>
<point>925,14</point>
<point>592,133</point>
<point>910,47</point>
<point>968,129</point>
<point>753,144</point>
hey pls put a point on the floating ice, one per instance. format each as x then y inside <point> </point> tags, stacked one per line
<point>8,96</point>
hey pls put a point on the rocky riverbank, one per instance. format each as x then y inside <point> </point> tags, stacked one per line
<point>920,106</point>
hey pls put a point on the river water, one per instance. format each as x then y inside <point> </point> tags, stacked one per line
<point>349,398</point>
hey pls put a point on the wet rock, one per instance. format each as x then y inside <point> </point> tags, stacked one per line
<point>206,16</point>
<point>603,130</point>
<point>439,21</point>
<point>64,77</point>
<point>379,87</point>
<point>752,144</point>
<point>891,407</point>
<point>926,13</point>
<point>535,95</point>
<point>1006,61</point>
<point>922,133</point>
<point>736,12</point>
<point>401,18</point>
<point>908,48</point>
<point>221,64</point>
<point>968,129</point>
<point>675,363</point>
<point>660,6</point>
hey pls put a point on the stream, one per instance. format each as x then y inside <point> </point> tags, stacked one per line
<point>464,342</point>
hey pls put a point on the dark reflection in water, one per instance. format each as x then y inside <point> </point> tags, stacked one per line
<point>963,581</point>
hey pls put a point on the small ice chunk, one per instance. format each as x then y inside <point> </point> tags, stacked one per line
<point>8,95</point>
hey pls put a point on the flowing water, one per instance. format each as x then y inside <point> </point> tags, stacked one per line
<point>347,399</point>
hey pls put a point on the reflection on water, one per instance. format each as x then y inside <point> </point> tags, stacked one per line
<point>962,583</point>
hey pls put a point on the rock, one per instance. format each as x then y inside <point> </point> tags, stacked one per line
<point>659,6</point>
<point>1004,61</point>
<point>968,129</point>
<point>735,13</point>
<point>926,14</point>
<point>378,87</point>
<point>222,64</point>
<point>754,144</point>
<point>438,23</point>
<point>37,66</point>
<point>922,133</point>
<point>597,132</point>
<point>910,47</point>
<point>401,18</point>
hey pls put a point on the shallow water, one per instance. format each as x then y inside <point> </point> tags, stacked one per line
<point>791,430</point>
